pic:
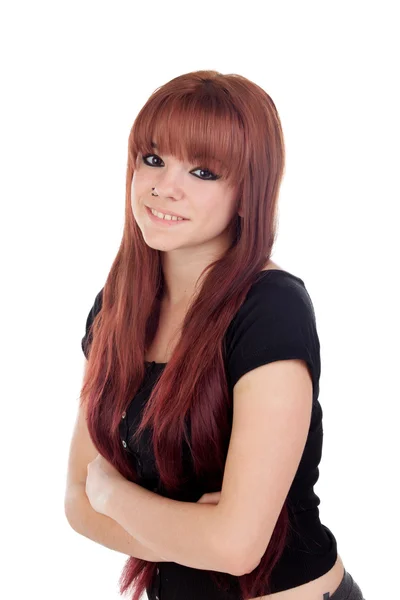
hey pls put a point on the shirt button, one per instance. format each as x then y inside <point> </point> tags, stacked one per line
<point>123,415</point>
<point>124,443</point>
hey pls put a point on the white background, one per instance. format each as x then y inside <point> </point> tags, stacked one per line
<point>73,76</point>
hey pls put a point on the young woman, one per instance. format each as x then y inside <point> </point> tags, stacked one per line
<point>199,432</point>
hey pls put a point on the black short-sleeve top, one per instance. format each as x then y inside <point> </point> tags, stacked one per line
<point>275,322</point>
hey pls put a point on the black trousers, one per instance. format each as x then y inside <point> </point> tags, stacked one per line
<point>348,590</point>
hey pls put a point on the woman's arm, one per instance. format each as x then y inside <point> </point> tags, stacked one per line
<point>190,534</point>
<point>101,528</point>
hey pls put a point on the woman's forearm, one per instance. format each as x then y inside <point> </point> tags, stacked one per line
<point>101,528</point>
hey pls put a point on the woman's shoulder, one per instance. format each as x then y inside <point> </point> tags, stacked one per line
<point>276,294</point>
<point>274,279</point>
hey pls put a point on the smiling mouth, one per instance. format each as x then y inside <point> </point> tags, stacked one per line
<point>164,222</point>
<point>168,215</point>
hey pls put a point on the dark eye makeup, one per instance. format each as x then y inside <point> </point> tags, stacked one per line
<point>212,178</point>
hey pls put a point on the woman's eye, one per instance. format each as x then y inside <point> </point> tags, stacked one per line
<point>148,156</point>
<point>209,175</point>
<point>208,172</point>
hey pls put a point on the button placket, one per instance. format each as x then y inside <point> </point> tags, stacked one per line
<point>158,587</point>
<point>123,427</point>
<point>124,432</point>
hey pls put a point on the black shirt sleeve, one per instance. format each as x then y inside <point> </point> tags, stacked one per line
<point>276,322</point>
<point>87,338</point>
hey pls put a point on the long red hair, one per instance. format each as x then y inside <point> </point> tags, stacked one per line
<point>233,125</point>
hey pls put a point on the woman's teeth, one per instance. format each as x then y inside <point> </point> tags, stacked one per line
<point>166,217</point>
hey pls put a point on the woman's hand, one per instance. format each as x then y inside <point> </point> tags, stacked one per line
<point>100,482</point>
<point>211,498</point>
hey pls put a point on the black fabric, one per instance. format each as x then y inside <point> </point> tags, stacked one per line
<point>275,322</point>
<point>348,589</point>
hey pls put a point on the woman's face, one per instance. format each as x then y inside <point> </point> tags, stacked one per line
<point>207,204</point>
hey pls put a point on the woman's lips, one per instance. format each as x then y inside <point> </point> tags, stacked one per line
<point>163,222</point>
<point>165,212</point>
